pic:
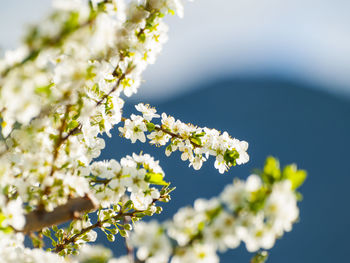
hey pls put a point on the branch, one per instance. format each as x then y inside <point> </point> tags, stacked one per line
<point>173,135</point>
<point>121,215</point>
<point>113,89</point>
<point>49,43</point>
<point>60,140</point>
<point>39,219</point>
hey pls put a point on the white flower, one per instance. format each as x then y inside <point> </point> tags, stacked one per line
<point>253,183</point>
<point>198,253</point>
<point>168,121</point>
<point>153,245</point>
<point>222,232</point>
<point>220,164</point>
<point>185,225</point>
<point>235,195</point>
<point>136,181</point>
<point>197,161</point>
<point>186,152</point>
<point>242,150</point>
<point>90,253</point>
<point>147,112</point>
<point>14,214</point>
<point>255,233</point>
<point>281,207</point>
<point>124,259</point>
<point>134,129</point>
<point>158,138</point>
<point>141,200</point>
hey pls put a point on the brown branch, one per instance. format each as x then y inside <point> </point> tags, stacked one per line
<point>59,247</point>
<point>112,90</point>
<point>121,215</point>
<point>39,219</point>
<point>60,140</point>
<point>173,135</point>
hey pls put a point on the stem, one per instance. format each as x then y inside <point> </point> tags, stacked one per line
<point>60,140</point>
<point>112,90</point>
<point>173,135</point>
<point>98,224</point>
<point>39,219</point>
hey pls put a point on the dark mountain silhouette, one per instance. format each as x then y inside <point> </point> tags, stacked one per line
<point>288,120</point>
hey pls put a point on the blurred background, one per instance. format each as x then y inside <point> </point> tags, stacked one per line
<point>274,73</point>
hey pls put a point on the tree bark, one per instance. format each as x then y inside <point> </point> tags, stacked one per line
<point>37,220</point>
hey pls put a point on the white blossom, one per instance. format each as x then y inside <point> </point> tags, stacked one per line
<point>195,144</point>
<point>153,245</point>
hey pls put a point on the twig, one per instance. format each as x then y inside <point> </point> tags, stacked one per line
<point>121,215</point>
<point>39,219</point>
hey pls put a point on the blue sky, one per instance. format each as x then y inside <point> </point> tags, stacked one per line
<point>303,40</point>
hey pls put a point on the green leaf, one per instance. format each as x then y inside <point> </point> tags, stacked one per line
<point>231,156</point>
<point>44,89</point>
<point>72,125</point>
<point>272,168</point>
<point>201,226</point>
<point>128,205</point>
<point>257,199</point>
<point>196,140</point>
<point>213,213</point>
<point>172,12</point>
<point>155,178</point>
<point>297,177</point>
<point>6,230</point>
<point>142,37</point>
<point>71,24</point>
<point>150,126</point>
<point>2,218</point>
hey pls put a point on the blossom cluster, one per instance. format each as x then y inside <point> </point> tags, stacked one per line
<point>87,50</point>
<point>195,143</point>
<point>110,181</point>
<point>13,251</point>
<point>61,90</point>
<point>11,214</point>
<point>68,78</point>
<point>255,211</point>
